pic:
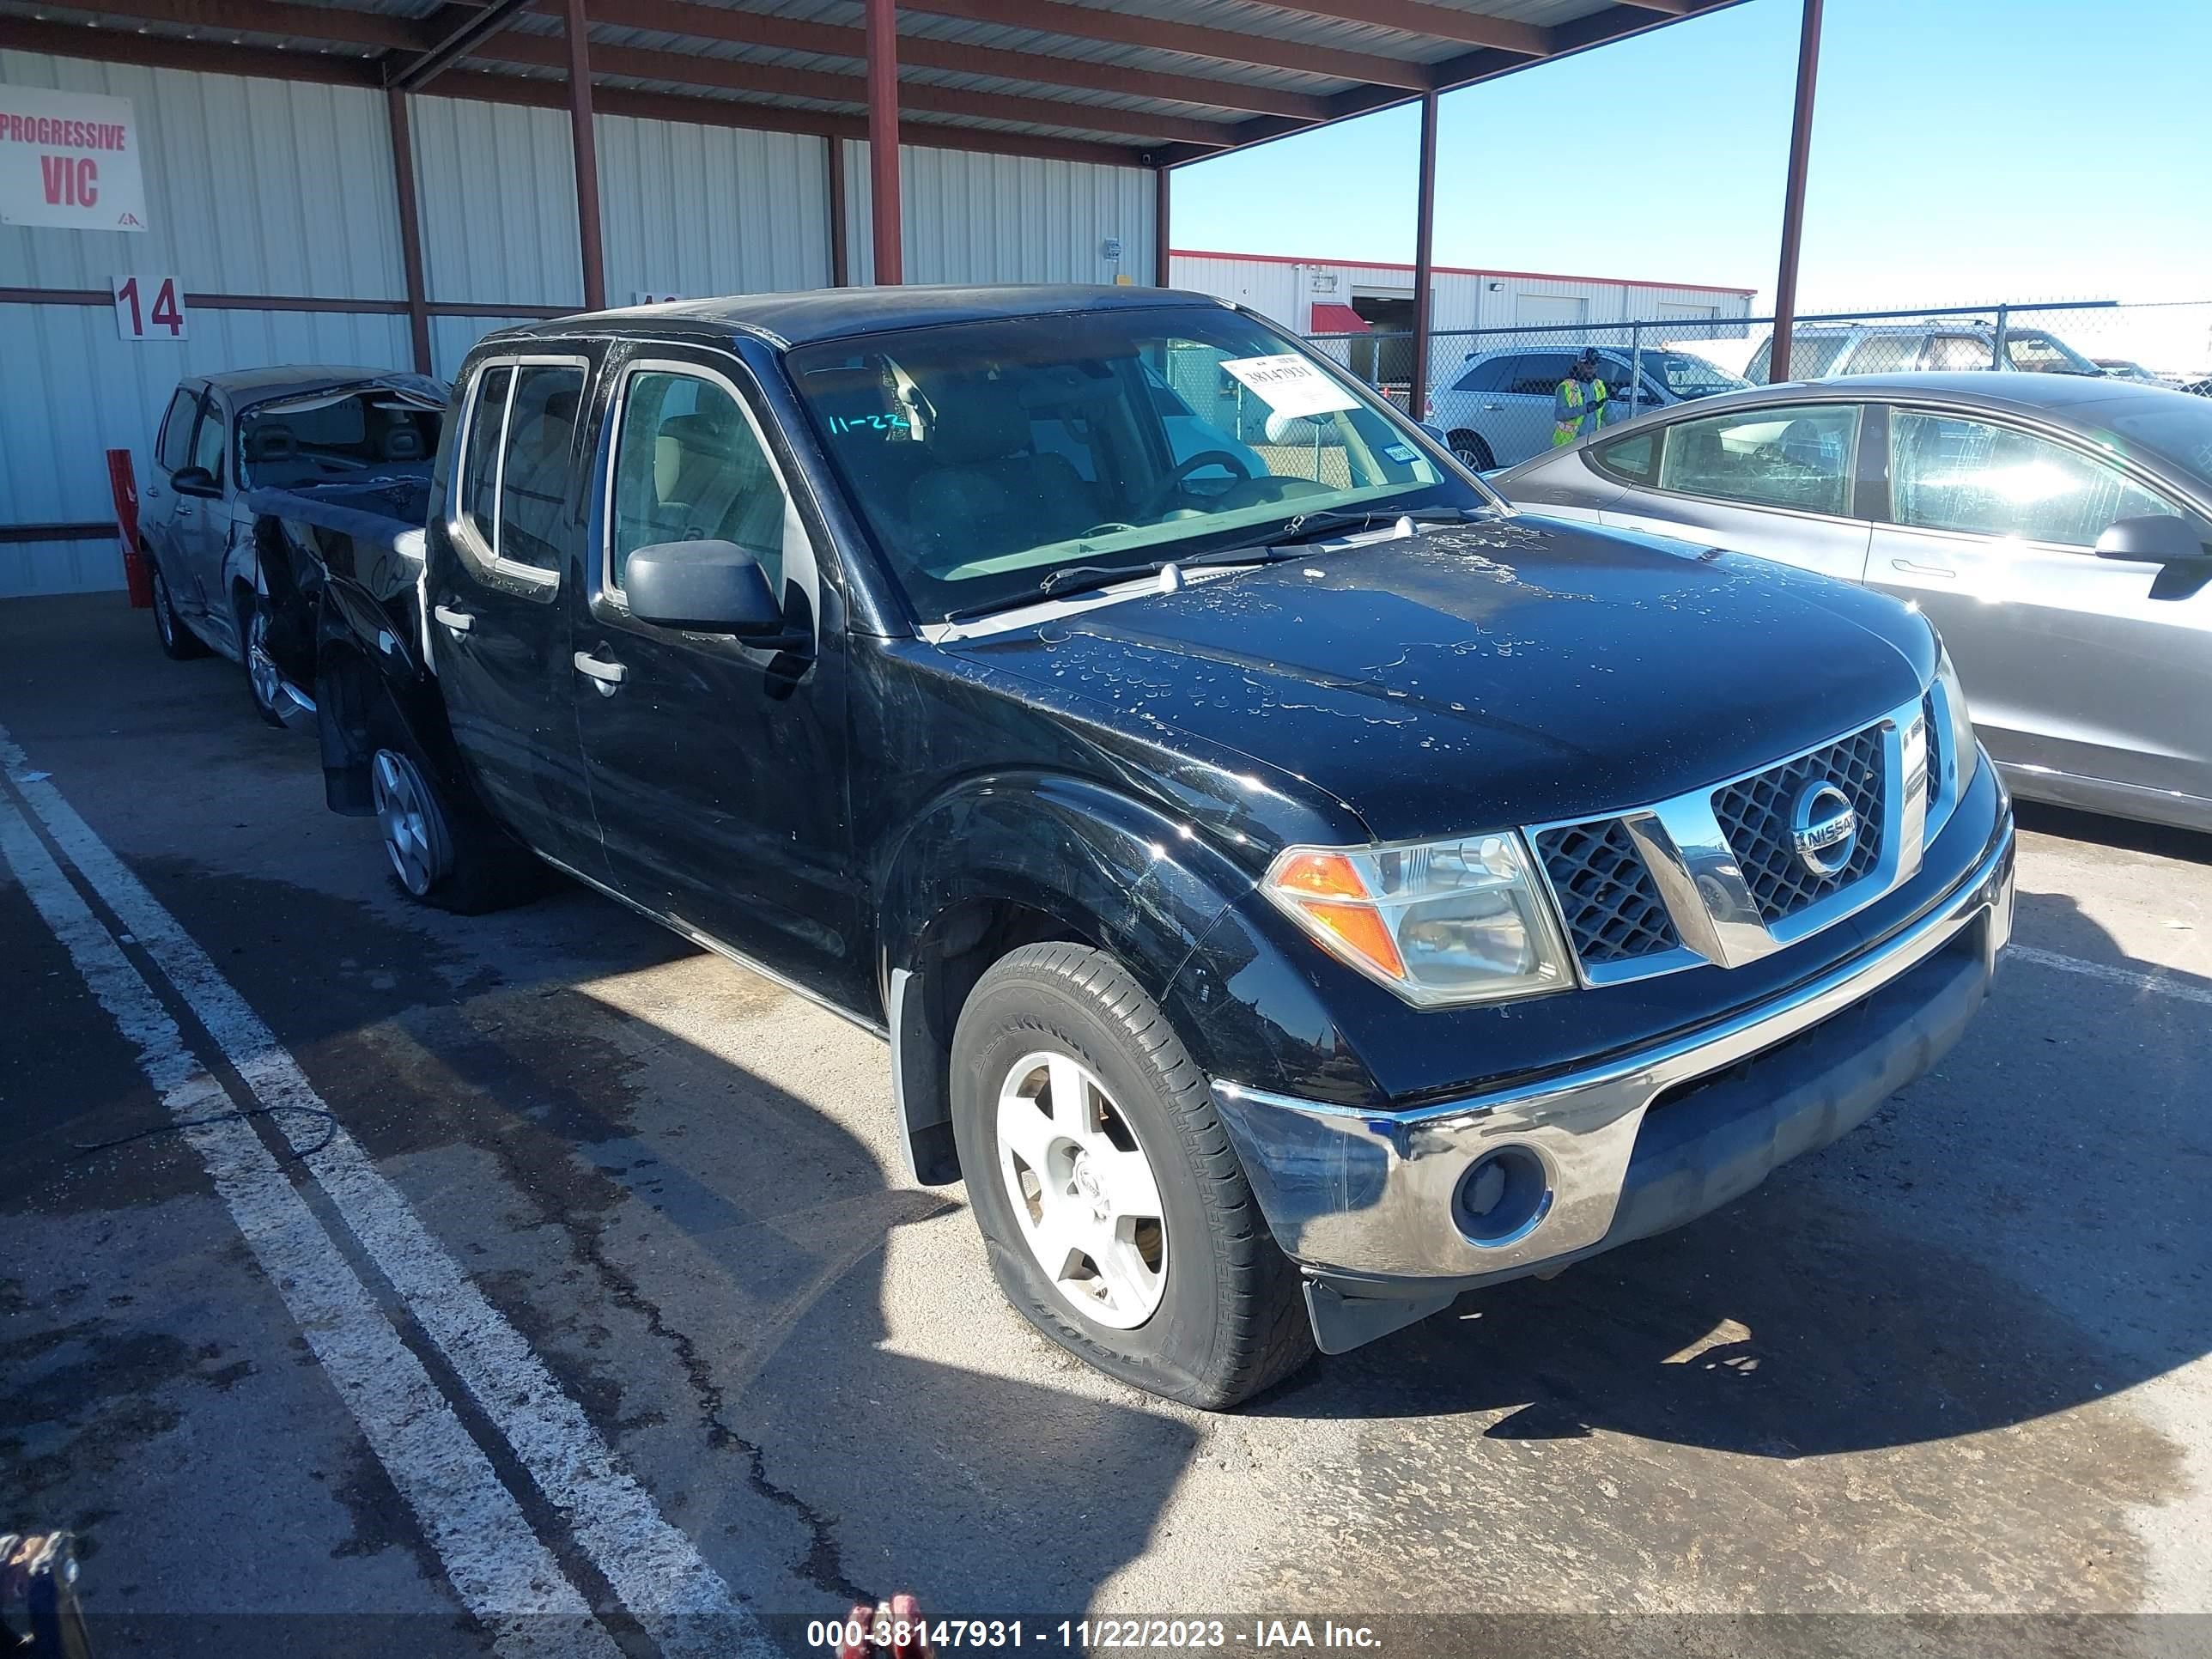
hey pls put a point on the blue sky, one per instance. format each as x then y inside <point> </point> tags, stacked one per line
<point>1963,150</point>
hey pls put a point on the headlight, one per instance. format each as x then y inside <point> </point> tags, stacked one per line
<point>1438,922</point>
<point>1961,734</point>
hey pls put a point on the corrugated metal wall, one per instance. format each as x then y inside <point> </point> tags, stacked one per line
<point>266,188</point>
<point>252,187</point>
<point>976,218</point>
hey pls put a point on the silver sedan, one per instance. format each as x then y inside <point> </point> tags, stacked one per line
<point>2058,531</point>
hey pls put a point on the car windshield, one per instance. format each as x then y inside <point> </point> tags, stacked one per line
<point>1689,376</point>
<point>985,456</point>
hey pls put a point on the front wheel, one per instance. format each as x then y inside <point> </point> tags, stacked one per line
<point>1116,1216</point>
<point>264,682</point>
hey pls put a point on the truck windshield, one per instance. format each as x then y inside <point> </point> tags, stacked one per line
<point>985,455</point>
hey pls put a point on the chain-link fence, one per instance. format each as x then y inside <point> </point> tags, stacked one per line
<point>1496,391</point>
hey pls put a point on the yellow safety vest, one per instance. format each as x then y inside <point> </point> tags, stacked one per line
<point>1585,419</point>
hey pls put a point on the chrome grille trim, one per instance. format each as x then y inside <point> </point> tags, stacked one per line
<point>1722,914</point>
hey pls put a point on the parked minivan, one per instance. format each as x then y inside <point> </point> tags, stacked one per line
<point>1828,349</point>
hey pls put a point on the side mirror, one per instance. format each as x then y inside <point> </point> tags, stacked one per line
<point>194,480</point>
<point>708,588</point>
<point>1443,437</point>
<point>2155,539</point>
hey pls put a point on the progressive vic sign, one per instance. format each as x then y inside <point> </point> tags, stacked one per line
<point>69,160</point>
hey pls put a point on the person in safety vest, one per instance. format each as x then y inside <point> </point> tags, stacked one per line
<point>1579,406</point>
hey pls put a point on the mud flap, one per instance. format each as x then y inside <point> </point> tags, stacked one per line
<point>1341,1322</point>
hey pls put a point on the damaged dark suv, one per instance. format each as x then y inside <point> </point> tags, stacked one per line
<point>1298,887</point>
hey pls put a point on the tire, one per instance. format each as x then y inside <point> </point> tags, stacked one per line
<point>444,853</point>
<point>179,643</point>
<point>1472,452</point>
<point>262,675</point>
<point>1206,1309</point>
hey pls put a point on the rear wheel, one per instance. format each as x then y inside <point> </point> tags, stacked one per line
<point>1116,1216</point>
<point>445,853</point>
<point>1470,452</point>
<point>179,643</point>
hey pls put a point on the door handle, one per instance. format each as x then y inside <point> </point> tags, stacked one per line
<point>606,676</point>
<point>1493,408</point>
<point>1914,567</point>
<point>183,512</point>
<point>459,620</point>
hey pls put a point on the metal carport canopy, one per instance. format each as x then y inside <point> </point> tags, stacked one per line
<point>1149,83</point>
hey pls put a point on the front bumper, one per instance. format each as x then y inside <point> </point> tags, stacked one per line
<point>1380,1208</point>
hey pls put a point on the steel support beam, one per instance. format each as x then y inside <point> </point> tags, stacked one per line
<point>841,262</point>
<point>883,142</point>
<point>1425,250</point>
<point>415,73</point>
<point>584,142</point>
<point>411,226</point>
<point>1162,194</point>
<point>1793,192</point>
<point>1417,17</point>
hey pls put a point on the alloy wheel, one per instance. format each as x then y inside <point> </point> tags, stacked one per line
<point>1083,1190</point>
<point>165,618</point>
<point>414,833</point>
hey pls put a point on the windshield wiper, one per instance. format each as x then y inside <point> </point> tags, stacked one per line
<point>1082,578</point>
<point>1317,527</point>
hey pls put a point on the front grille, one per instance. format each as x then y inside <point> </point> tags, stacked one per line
<point>1612,905</point>
<point>1755,815</point>
<point>1934,751</point>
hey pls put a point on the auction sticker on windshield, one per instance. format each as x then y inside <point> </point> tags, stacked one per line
<point>1290,384</point>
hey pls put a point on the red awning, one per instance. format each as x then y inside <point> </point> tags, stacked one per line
<point>1330,318</point>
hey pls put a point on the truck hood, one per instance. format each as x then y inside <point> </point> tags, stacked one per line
<point>1476,676</point>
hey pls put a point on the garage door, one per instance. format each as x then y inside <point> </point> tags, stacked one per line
<point>1545,310</point>
<point>1673,310</point>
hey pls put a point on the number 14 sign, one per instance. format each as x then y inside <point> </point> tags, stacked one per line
<point>148,308</point>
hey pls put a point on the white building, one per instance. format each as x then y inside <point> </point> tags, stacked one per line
<point>1342,296</point>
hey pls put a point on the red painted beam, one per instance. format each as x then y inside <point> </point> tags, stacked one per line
<point>1425,249</point>
<point>883,142</point>
<point>1793,193</point>
<point>1416,17</point>
<point>410,227</point>
<point>584,146</point>
<point>162,51</point>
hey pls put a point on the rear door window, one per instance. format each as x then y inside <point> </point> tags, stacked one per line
<point>1538,374</point>
<point>1959,351</point>
<point>1799,458</point>
<point>513,498</point>
<point>1484,377</point>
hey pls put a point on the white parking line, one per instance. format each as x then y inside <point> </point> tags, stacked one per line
<point>2151,984</point>
<point>501,1571</point>
<point>676,1597</point>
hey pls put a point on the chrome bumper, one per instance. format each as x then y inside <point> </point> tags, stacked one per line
<point>1376,1195</point>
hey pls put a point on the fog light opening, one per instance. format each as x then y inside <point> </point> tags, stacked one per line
<point>1503,1196</point>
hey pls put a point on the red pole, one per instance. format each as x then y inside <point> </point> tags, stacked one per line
<point>1793,198</point>
<point>410,227</point>
<point>587,158</point>
<point>1424,239</point>
<point>882,138</point>
<point>123,485</point>
<point>1163,197</point>
<point>840,260</point>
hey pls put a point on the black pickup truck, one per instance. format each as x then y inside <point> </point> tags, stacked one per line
<point>1298,887</point>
